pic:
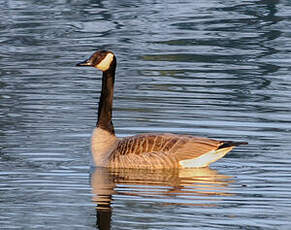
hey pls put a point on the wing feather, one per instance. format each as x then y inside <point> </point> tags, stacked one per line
<point>159,150</point>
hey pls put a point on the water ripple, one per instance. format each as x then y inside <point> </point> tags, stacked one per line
<point>216,69</point>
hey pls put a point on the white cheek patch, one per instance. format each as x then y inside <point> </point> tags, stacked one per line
<point>105,63</point>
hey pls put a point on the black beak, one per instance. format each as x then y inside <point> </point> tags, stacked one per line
<point>84,63</point>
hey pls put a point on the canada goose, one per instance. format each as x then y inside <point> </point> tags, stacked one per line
<point>152,150</point>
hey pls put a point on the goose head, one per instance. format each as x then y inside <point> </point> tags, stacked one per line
<point>102,60</point>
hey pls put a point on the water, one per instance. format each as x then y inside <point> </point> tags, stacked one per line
<point>210,68</point>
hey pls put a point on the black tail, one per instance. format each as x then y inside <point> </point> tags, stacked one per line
<point>226,144</point>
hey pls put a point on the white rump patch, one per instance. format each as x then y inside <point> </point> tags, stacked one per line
<point>105,63</point>
<point>205,159</point>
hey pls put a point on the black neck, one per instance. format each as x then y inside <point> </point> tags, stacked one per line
<point>106,98</point>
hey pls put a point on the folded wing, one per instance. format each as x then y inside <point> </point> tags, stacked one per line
<point>165,151</point>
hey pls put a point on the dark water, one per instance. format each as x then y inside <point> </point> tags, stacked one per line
<point>219,69</point>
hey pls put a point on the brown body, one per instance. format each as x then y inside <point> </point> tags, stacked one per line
<point>153,150</point>
<point>159,150</point>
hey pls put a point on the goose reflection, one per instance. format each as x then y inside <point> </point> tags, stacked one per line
<point>196,187</point>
